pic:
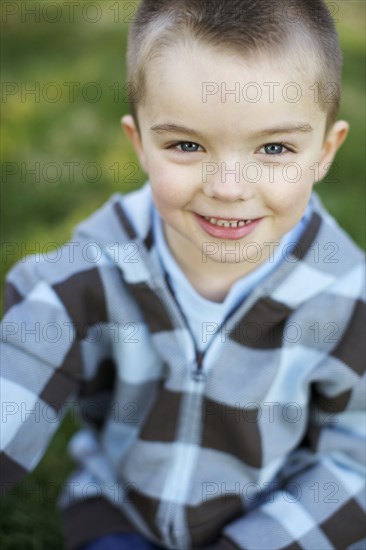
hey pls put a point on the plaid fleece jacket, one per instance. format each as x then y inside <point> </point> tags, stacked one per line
<point>255,444</point>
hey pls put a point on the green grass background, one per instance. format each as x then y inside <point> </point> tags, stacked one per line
<point>82,131</point>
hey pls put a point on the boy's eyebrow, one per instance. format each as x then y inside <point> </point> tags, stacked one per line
<point>172,128</point>
<point>301,127</point>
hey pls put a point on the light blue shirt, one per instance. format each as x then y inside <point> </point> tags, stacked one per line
<point>205,316</point>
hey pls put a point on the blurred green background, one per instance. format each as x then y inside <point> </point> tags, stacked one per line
<point>67,131</point>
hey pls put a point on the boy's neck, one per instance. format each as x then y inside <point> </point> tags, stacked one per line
<point>212,280</point>
<point>210,283</point>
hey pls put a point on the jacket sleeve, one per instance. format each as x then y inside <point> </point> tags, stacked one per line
<point>321,504</point>
<point>41,370</point>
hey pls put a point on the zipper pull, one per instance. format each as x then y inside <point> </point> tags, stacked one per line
<point>197,373</point>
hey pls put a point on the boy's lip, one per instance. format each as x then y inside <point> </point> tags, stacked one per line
<point>231,218</point>
<point>230,233</point>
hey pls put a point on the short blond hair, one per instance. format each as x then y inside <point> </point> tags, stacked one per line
<point>248,27</point>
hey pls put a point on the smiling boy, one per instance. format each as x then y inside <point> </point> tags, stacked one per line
<point>275,141</point>
<point>217,345</point>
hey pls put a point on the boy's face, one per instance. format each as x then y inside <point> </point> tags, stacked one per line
<point>253,149</point>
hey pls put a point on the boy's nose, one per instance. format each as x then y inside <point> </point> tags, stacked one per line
<point>229,181</point>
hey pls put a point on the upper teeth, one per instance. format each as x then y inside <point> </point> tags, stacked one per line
<point>227,223</point>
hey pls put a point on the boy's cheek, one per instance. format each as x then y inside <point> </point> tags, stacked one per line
<point>173,185</point>
<point>288,196</point>
<point>166,193</point>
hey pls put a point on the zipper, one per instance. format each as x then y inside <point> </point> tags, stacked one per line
<point>197,371</point>
<point>171,533</point>
<point>198,375</point>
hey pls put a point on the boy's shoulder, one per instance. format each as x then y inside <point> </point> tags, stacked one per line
<point>329,247</point>
<point>123,216</point>
<point>94,243</point>
<point>325,264</point>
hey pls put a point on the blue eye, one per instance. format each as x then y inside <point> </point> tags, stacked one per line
<point>189,147</point>
<point>274,148</point>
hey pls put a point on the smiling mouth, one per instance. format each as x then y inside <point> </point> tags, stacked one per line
<point>226,223</point>
<point>231,229</point>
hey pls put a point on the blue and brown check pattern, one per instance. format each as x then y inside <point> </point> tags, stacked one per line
<point>265,451</point>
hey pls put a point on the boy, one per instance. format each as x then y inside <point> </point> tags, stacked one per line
<point>214,346</point>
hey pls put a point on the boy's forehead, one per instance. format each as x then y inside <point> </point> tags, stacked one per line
<point>218,83</point>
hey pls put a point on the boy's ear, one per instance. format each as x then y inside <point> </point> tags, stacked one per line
<point>130,128</point>
<point>334,139</point>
